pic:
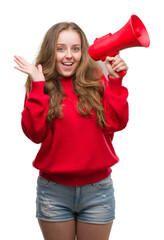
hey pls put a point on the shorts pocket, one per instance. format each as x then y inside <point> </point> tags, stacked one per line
<point>44,182</point>
<point>104,184</point>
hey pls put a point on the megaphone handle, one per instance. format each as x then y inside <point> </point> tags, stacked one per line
<point>122,73</point>
<point>113,54</point>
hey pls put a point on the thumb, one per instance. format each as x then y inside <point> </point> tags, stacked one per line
<point>39,67</point>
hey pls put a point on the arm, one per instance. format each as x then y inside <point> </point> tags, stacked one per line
<point>115,105</point>
<point>34,114</point>
<point>36,103</point>
<point>115,96</point>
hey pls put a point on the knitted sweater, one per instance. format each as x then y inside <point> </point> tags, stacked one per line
<point>75,151</point>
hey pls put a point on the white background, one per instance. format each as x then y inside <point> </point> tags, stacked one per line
<point>138,177</point>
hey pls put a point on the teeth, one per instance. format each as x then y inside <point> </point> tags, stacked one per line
<point>67,64</point>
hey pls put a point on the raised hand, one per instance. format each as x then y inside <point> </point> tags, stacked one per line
<point>35,73</point>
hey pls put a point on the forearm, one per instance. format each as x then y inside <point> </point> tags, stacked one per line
<point>116,105</point>
<point>34,123</point>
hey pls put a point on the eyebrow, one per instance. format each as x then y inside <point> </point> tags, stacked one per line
<point>63,44</point>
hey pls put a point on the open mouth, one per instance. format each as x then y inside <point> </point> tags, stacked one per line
<point>67,64</point>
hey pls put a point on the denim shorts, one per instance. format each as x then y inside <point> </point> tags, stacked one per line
<point>92,203</point>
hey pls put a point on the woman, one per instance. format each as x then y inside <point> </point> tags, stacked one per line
<point>73,111</point>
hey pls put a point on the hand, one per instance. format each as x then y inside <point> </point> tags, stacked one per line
<point>114,65</point>
<point>35,73</point>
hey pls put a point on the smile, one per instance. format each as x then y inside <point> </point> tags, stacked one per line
<point>67,64</point>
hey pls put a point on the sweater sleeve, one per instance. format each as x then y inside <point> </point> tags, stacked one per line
<point>34,114</point>
<point>115,105</point>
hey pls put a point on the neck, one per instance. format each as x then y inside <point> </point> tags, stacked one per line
<point>66,82</point>
<point>65,78</point>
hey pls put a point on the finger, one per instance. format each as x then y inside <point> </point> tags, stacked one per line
<point>19,63</point>
<point>109,59</point>
<point>21,70</point>
<point>117,61</point>
<point>18,58</point>
<point>117,56</point>
<point>121,67</point>
<point>39,67</point>
<point>121,64</point>
<point>21,60</point>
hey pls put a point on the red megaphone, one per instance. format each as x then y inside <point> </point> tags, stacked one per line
<point>133,34</point>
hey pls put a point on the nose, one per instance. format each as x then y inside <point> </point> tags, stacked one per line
<point>68,54</point>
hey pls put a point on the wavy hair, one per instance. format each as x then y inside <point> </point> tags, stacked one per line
<point>86,81</point>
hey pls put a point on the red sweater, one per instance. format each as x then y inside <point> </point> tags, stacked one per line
<point>75,151</point>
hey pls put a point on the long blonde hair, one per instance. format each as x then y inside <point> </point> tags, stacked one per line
<point>86,82</point>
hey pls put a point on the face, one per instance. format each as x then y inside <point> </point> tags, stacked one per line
<point>68,53</point>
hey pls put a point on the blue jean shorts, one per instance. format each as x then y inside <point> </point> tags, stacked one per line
<point>92,203</point>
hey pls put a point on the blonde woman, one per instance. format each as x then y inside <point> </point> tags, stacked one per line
<point>73,111</point>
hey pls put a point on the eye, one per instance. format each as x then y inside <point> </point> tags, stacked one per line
<point>76,49</point>
<point>60,49</point>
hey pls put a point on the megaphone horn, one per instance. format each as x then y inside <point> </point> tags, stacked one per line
<point>132,34</point>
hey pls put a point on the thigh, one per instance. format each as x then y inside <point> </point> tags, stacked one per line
<point>58,230</point>
<point>87,231</point>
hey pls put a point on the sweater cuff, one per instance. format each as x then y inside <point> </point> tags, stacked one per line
<point>115,84</point>
<point>37,87</point>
